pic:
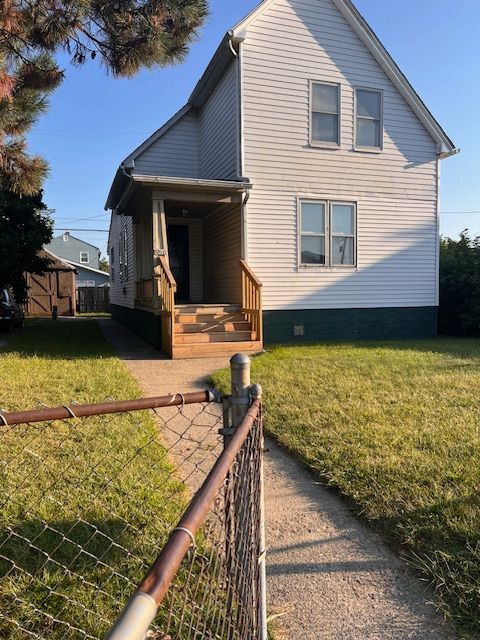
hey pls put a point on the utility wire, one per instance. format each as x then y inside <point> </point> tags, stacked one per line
<point>89,230</point>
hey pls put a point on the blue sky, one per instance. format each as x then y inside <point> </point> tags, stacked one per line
<point>95,121</point>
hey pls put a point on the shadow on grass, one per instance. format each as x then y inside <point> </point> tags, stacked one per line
<point>57,574</point>
<point>63,339</point>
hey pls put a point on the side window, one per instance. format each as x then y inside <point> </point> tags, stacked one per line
<point>312,234</point>
<point>327,233</point>
<point>325,114</point>
<point>368,119</point>
<point>84,258</point>
<point>343,231</point>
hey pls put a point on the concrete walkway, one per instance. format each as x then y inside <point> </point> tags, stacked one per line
<point>329,576</point>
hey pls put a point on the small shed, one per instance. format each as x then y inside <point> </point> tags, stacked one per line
<point>55,288</point>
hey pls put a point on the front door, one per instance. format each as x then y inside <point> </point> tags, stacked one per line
<point>178,253</point>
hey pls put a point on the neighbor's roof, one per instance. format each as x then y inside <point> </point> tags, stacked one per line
<point>226,52</point>
<point>87,268</point>
<point>57,264</point>
<point>75,238</point>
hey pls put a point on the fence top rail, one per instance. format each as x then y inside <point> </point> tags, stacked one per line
<point>65,412</point>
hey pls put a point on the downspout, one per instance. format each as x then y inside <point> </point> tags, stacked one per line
<point>241,137</point>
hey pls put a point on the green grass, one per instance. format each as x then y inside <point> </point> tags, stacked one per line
<point>395,427</point>
<point>94,314</point>
<point>73,487</point>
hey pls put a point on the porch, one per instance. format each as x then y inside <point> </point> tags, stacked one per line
<point>189,268</point>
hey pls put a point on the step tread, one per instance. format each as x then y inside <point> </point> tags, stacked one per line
<point>203,338</point>
<point>212,327</point>
<point>205,309</point>
<point>215,349</point>
<point>193,318</point>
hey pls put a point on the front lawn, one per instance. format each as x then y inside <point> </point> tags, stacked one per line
<point>85,505</point>
<point>396,427</point>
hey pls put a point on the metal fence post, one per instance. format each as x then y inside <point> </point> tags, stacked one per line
<point>240,398</point>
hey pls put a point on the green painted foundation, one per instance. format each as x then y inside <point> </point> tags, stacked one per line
<point>142,323</point>
<point>349,324</point>
<point>311,325</point>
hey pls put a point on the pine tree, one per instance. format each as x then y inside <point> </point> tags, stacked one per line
<point>25,227</point>
<point>126,35</point>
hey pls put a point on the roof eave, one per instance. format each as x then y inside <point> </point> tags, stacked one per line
<point>394,73</point>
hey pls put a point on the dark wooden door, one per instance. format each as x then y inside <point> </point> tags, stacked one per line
<point>179,256</point>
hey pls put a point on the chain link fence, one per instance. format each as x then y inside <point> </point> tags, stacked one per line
<point>92,495</point>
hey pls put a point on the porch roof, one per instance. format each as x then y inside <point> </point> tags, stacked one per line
<point>125,183</point>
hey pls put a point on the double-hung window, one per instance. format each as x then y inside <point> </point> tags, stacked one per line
<point>312,236</point>
<point>325,114</point>
<point>368,119</point>
<point>84,257</point>
<point>327,233</point>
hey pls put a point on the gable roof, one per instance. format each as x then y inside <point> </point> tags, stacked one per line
<point>75,238</point>
<point>227,51</point>
<point>87,268</point>
<point>366,34</point>
<point>56,263</point>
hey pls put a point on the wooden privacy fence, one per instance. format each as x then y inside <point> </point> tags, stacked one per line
<point>93,299</point>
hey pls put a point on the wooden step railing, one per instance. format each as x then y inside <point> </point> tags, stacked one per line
<point>144,292</point>
<point>164,301</point>
<point>252,299</point>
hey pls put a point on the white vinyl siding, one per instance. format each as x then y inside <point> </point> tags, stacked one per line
<point>173,154</point>
<point>291,43</point>
<point>222,238</point>
<point>219,131</point>
<point>204,143</point>
<point>121,251</point>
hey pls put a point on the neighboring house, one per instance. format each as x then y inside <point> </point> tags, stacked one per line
<point>85,257</point>
<point>75,250</point>
<point>303,160</point>
<point>89,277</point>
<point>53,289</point>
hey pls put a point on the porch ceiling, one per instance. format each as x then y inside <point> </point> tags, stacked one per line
<point>199,197</point>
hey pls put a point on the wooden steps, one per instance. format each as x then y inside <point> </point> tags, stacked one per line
<point>212,330</point>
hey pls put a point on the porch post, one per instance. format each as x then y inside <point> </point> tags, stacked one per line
<point>160,246</point>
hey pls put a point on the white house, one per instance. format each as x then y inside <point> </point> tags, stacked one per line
<point>304,161</point>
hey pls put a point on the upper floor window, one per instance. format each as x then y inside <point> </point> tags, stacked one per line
<point>368,119</point>
<point>325,114</point>
<point>84,258</point>
<point>328,234</point>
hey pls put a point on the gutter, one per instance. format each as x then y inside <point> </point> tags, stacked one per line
<point>448,154</point>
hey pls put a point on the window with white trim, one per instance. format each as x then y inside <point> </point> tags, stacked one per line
<point>84,257</point>
<point>325,114</point>
<point>368,119</point>
<point>327,233</point>
<point>312,235</point>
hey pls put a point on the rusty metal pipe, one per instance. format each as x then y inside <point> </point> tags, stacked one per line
<point>103,408</point>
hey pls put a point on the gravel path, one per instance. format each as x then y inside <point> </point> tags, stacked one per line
<point>329,576</point>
